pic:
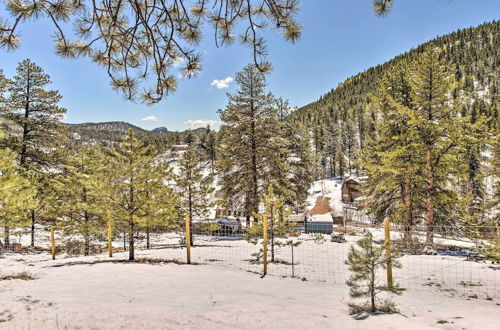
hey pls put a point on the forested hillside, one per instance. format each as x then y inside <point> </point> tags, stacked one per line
<point>343,119</point>
<point>115,131</point>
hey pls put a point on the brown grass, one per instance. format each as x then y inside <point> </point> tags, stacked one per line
<point>145,261</point>
<point>382,307</point>
<point>25,276</point>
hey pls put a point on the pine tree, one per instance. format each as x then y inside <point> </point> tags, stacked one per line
<point>33,110</point>
<point>161,208</point>
<point>303,169</point>
<point>293,166</point>
<point>32,116</point>
<point>78,199</point>
<point>473,143</point>
<point>194,186</point>
<point>495,164</point>
<point>439,132</point>
<point>208,144</point>
<point>391,159</point>
<point>135,183</point>
<point>350,143</point>
<point>364,259</point>
<point>246,136</point>
<point>3,89</point>
<point>334,148</point>
<point>16,194</point>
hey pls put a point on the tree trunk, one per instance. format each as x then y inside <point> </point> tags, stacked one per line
<point>272,241</point>
<point>408,223</point>
<point>131,239</point>
<point>429,202</point>
<point>372,280</point>
<point>86,249</point>
<point>332,168</point>
<point>190,200</point>
<point>124,239</point>
<point>33,228</point>
<point>6,237</point>
<point>255,199</point>
<point>87,231</point>
<point>148,242</point>
<point>24,147</point>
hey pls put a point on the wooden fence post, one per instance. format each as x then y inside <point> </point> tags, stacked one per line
<point>188,238</point>
<point>110,240</point>
<point>53,243</point>
<point>388,251</point>
<point>265,244</point>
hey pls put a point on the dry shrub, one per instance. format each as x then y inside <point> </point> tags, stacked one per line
<point>24,275</point>
<point>383,307</point>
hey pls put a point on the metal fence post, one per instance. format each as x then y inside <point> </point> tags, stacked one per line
<point>188,238</point>
<point>53,244</point>
<point>388,251</point>
<point>265,244</point>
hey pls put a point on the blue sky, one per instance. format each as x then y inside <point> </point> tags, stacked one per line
<point>340,38</point>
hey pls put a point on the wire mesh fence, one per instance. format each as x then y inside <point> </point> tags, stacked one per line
<point>460,261</point>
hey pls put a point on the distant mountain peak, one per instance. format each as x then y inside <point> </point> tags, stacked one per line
<point>162,129</point>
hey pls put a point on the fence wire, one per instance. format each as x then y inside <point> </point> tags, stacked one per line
<point>458,262</point>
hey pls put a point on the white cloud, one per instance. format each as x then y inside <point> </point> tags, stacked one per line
<point>201,123</point>
<point>150,118</point>
<point>224,83</point>
<point>177,61</point>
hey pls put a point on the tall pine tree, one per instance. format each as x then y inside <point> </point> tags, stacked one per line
<point>32,122</point>
<point>135,184</point>
<point>392,160</point>
<point>78,198</point>
<point>16,194</point>
<point>249,121</point>
<point>194,186</point>
<point>439,133</point>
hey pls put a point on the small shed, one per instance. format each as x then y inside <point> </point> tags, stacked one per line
<point>351,189</point>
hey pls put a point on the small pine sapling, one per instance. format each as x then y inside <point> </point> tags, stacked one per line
<point>292,244</point>
<point>279,225</point>
<point>318,238</point>
<point>364,260</point>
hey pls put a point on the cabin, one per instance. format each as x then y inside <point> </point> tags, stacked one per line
<point>351,189</point>
<point>178,150</point>
<point>320,218</point>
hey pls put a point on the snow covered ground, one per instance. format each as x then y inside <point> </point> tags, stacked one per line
<point>224,289</point>
<point>76,293</point>
<point>320,260</point>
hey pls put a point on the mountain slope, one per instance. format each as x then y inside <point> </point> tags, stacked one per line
<point>342,118</point>
<point>105,131</point>
<point>474,51</point>
<point>109,132</point>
